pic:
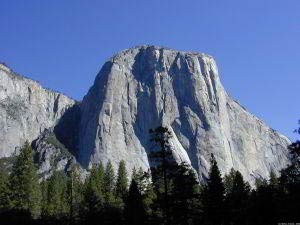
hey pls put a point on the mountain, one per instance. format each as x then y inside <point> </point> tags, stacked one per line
<point>27,111</point>
<point>147,86</point>
<point>136,90</point>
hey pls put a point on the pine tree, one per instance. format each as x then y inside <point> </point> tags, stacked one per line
<point>149,197</point>
<point>265,205</point>
<point>122,181</point>
<point>228,181</point>
<point>290,183</point>
<point>96,181</point>
<point>75,193</point>
<point>134,209</point>
<point>25,193</point>
<point>44,190</point>
<point>141,178</point>
<point>93,198</point>
<point>146,188</point>
<point>109,183</point>
<point>213,195</point>
<point>260,182</point>
<point>4,191</point>
<point>112,213</point>
<point>237,200</point>
<point>57,196</point>
<point>273,180</point>
<point>185,197</point>
<point>164,167</point>
<point>100,179</point>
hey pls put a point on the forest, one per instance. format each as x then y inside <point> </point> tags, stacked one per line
<point>168,194</point>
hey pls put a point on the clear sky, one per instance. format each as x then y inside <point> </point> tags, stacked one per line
<point>64,43</point>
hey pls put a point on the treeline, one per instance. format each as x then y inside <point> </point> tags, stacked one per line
<point>168,194</point>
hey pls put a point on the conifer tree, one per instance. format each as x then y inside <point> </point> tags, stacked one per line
<point>93,196</point>
<point>146,188</point>
<point>57,196</point>
<point>122,181</point>
<point>112,211</point>
<point>100,178</point>
<point>44,191</point>
<point>4,191</point>
<point>290,183</point>
<point>260,182</point>
<point>164,167</point>
<point>134,209</point>
<point>228,181</point>
<point>95,181</point>
<point>237,200</point>
<point>273,180</point>
<point>213,195</point>
<point>75,192</point>
<point>141,178</point>
<point>185,197</point>
<point>109,183</point>
<point>25,193</point>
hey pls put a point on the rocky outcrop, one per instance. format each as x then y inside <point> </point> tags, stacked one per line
<point>51,155</point>
<point>26,110</point>
<point>136,90</point>
<point>147,86</point>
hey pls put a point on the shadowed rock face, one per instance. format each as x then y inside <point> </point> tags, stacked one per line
<point>136,90</point>
<point>147,86</point>
<point>26,110</point>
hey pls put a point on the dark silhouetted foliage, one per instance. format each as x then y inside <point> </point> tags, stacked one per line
<point>168,194</point>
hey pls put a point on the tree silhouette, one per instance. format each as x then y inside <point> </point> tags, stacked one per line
<point>237,200</point>
<point>290,183</point>
<point>134,211</point>
<point>122,181</point>
<point>25,192</point>
<point>57,206</point>
<point>184,199</point>
<point>163,169</point>
<point>213,196</point>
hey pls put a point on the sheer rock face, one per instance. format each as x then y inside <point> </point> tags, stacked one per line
<point>144,87</point>
<point>26,110</point>
<point>136,90</point>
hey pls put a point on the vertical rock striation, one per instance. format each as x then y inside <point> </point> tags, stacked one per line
<point>148,86</point>
<point>26,110</point>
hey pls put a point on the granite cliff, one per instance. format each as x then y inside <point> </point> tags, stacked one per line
<point>136,90</point>
<point>27,110</point>
<point>148,86</point>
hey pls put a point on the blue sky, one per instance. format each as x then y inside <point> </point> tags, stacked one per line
<point>64,43</point>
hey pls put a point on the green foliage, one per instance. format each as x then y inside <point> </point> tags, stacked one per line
<point>290,177</point>
<point>57,197</point>
<point>93,192</point>
<point>25,193</point>
<point>109,182</point>
<point>6,164</point>
<point>163,169</point>
<point>169,194</point>
<point>75,192</point>
<point>274,181</point>
<point>290,183</point>
<point>134,211</point>
<point>147,190</point>
<point>4,191</point>
<point>213,195</point>
<point>122,181</point>
<point>141,178</point>
<point>64,152</point>
<point>237,199</point>
<point>184,199</point>
<point>95,181</point>
<point>229,181</point>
